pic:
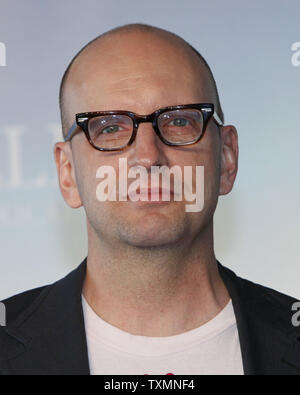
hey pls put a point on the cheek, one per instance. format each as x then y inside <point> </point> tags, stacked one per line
<point>212,177</point>
<point>94,176</point>
<point>86,184</point>
<point>85,167</point>
<point>212,180</point>
<point>207,157</point>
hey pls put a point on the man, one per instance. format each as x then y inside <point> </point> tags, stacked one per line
<point>151,297</point>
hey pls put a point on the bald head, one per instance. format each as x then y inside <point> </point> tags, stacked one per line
<point>132,50</point>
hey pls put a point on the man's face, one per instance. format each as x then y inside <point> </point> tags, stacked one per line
<point>141,73</point>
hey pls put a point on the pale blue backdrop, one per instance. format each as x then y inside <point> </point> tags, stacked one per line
<point>249,48</point>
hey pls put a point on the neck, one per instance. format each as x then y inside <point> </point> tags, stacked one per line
<point>155,291</point>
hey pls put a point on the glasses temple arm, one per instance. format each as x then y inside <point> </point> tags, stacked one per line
<point>71,132</point>
<point>217,119</point>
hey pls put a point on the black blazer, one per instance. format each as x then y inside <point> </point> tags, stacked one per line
<point>45,333</point>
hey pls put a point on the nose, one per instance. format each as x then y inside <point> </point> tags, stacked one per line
<point>147,150</point>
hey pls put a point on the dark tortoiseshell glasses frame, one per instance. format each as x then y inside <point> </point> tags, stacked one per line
<point>82,121</point>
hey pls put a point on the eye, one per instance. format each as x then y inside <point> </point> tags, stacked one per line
<point>111,129</point>
<point>179,122</point>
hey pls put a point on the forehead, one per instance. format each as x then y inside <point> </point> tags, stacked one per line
<point>135,71</point>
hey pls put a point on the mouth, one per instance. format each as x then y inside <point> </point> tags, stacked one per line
<point>151,196</point>
<point>155,194</point>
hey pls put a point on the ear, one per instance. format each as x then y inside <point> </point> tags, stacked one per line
<point>229,158</point>
<point>66,174</point>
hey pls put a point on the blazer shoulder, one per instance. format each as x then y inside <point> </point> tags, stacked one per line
<point>20,306</point>
<point>263,303</point>
<point>272,295</point>
<point>251,290</point>
<point>17,304</point>
<point>270,306</point>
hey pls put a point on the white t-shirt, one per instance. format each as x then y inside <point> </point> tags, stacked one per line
<point>213,348</point>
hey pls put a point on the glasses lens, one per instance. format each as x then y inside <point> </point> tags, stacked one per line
<point>181,126</point>
<point>110,131</point>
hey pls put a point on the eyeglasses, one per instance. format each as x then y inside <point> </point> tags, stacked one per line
<point>115,130</point>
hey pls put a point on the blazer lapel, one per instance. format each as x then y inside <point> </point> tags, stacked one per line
<point>269,343</point>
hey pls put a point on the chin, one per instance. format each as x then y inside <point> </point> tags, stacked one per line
<point>153,231</point>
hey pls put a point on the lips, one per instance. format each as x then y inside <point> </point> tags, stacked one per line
<point>154,194</point>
